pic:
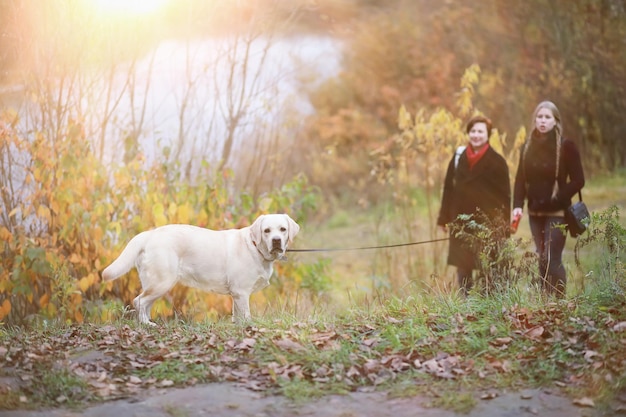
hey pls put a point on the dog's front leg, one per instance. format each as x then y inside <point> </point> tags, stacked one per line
<point>241,307</point>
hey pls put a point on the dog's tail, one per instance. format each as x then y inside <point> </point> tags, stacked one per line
<point>127,258</point>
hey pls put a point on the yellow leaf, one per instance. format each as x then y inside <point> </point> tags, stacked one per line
<point>404,119</point>
<point>184,214</point>
<point>37,174</point>
<point>84,284</point>
<point>54,205</point>
<point>117,228</point>
<point>78,316</point>
<point>5,309</point>
<point>171,210</point>
<point>202,219</point>
<point>158,213</point>
<point>75,258</point>
<point>50,310</point>
<point>76,299</point>
<point>97,234</point>
<point>44,300</point>
<point>44,213</point>
<point>5,235</point>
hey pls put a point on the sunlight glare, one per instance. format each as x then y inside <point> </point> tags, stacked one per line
<point>129,7</point>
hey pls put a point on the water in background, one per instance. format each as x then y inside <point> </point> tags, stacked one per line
<point>177,96</point>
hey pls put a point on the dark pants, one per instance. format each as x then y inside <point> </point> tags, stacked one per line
<point>464,278</point>
<point>550,241</point>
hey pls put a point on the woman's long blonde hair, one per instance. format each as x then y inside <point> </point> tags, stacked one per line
<point>558,129</point>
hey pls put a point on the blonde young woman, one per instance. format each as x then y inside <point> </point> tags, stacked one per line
<point>549,174</point>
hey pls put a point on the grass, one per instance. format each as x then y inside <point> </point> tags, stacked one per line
<point>447,349</point>
<point>425,340</point>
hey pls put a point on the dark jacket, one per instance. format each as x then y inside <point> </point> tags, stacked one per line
<point>486,188</point>
<point>534,179</point>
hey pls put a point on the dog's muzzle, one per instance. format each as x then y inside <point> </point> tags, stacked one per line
<point>277,246</point>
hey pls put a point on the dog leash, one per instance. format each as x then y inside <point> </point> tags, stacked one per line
<point>368,247</point>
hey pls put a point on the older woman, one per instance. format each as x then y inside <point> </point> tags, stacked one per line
<point>477,180</point>
<point>549,174</point>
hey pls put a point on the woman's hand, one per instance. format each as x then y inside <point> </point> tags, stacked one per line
<point>516,216</point>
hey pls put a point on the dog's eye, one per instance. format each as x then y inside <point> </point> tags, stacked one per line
<point>283,229</point>
<point>267,230</point>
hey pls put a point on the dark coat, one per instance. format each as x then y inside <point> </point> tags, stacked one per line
<point>535,176</point>
<point>486,188</point>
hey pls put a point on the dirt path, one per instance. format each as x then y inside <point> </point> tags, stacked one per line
<point>223,399</point>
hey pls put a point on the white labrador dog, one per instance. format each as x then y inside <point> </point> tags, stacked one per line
<point>236,262</point>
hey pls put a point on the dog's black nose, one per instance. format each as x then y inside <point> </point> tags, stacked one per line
<point>276,243</point>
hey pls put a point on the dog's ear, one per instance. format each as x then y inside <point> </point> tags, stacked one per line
<point>294,228</point>
<point>255,229</point>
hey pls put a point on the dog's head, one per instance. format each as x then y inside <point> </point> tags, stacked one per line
<point>272,233</point>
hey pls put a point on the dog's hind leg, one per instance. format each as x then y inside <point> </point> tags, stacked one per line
<point>159,283</point>
<point>143,302</point>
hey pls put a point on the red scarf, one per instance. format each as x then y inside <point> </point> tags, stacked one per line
<point>473,157</point>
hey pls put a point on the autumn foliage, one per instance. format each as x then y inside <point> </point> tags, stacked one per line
<point>69,216</point>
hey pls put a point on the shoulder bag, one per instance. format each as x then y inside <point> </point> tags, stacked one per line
<point>577,217</point>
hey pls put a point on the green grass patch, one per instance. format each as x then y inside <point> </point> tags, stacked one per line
<point>442,347</point>
<point>56,387</point>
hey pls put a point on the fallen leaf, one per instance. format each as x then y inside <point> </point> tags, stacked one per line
<point>353,371</point>
<point>584,402</point>
<point>246,344</point>
<point>535,332</point>
<point>471,317</point>
<point>589,355</point>
<point>134,379</point>
<point>620,327</point>
<point>393,320</point>
<point>288,344</point>
<point>504,366</point>
<point>502,341</point>
<point>371,342</point>
<point>431,365</point>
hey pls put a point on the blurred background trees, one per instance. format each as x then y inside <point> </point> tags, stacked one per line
<point>413,53</point>
<point>209,113</point>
